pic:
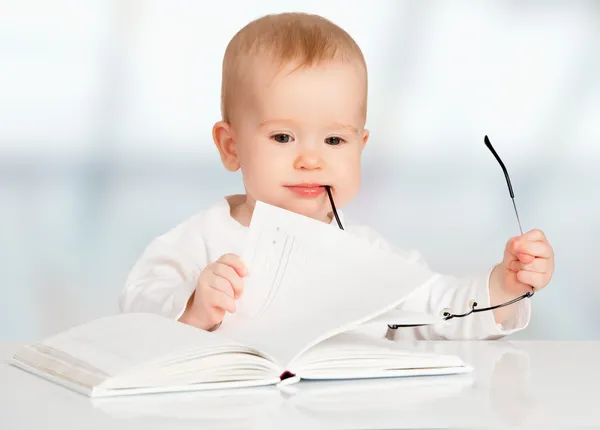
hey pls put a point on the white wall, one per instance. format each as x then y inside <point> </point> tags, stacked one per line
<point>105,116</point>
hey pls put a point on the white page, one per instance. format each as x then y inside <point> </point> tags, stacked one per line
<point>118,343</point>
<point>355,353</point>
<point>308,280</point>
<point>405,319</point>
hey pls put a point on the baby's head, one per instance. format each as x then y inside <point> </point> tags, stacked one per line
<point>294,99</point>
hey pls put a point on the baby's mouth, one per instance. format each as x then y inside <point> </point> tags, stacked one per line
<point>307,190</point>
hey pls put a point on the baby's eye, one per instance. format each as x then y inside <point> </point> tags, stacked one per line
<point>334,140</point>
<point>282,138</point>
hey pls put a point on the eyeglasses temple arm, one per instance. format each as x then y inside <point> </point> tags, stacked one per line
<point>491,148</point>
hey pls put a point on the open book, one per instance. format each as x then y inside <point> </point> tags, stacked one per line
<point>310,289</point>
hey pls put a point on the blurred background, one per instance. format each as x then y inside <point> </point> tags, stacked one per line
<point>106,109</point>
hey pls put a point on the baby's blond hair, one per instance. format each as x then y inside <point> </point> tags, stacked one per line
<point>303,39</point>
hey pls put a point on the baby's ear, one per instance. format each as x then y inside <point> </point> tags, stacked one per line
<point>365,137</point>
<point>223,137</point>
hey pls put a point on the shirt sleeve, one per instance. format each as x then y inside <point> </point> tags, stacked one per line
<point>165,276</point>
<point>454,293</point>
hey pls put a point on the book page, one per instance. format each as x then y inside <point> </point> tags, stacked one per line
<point>113,345</point>
<point>309,280</point>
<point>404,318</point>
<point>353,355</point>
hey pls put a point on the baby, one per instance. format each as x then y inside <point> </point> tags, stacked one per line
<point>294,102</point>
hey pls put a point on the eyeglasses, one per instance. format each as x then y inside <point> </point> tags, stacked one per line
<point>446,313</point>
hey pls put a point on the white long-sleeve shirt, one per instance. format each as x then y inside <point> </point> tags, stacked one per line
<point>165,277</point>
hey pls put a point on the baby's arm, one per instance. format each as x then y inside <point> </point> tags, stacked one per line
<point>453,293</point>
<point>165,276</point>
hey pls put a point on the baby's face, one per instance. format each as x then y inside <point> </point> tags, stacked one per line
<point>301,131</point>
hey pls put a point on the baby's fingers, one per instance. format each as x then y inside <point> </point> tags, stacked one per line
<point>538,265</point>
<point>221,284</point>
<point>535,235</point>
<point>537,249</point>
<point>228,273</point>
<point>234,261</point>
<point>525,258</point>
<point>220,300</point>
<point>536,280</point>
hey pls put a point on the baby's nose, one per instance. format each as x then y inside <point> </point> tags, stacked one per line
<point>308,161</point>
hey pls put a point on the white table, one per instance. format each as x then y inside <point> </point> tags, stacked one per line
<point>515,384</point>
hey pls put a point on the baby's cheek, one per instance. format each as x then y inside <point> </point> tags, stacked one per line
<point>254,180</point>
<point>349,184</point>
<point>263,183</point>
<point>260,184</point>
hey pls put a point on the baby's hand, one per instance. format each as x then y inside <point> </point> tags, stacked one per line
<point>219,284</point>
<point>528,262</point>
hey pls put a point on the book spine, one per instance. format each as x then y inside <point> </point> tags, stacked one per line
<point>285,375</point>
